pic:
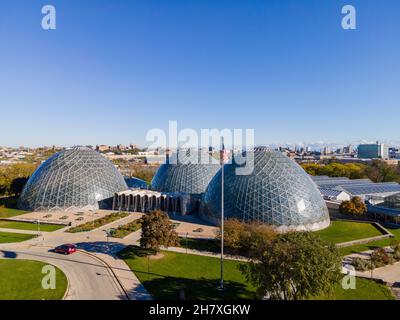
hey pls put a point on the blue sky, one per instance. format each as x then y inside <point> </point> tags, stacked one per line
<point>115,69</point>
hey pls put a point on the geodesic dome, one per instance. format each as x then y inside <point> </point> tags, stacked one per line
<point>277,192</point>
<point>76,178</point>
<point>188,172</point>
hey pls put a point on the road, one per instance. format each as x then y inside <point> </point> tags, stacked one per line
<point>89,278</point>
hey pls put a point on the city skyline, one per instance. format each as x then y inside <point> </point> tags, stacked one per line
<point>287,70</point>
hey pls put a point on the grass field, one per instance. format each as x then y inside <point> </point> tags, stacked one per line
<point>365,290</point>
<point>29,226</point>
<point>343,231</point>
<point>8,237</point>
<point>22,280</point>
<point>199,276</point>
<point>372,245</point>
<point>10,212</point>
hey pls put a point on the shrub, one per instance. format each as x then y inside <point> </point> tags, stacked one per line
<point>361,264</point>
<point>124,230</point>
<point>380,258</point>
<point>91,225</point>
<point>396,250</point>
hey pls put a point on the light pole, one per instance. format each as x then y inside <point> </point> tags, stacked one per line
<point>186,242</point>
<point>222,160</point>
<point>38,225</point>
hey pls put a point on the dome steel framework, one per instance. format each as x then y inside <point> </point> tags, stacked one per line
<point>278,192</point>
<point>76,178</point>
<point>189,174</point>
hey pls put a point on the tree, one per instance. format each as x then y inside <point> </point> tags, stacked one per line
<point>380,171</point>
<point>233,233</point>
<point>255,239</point>
<point>246,239</point>
<point>14,177</point>
<point>380,258</point>
<point>296,265</point>
<point>157,231</point>
<point>355,207</point>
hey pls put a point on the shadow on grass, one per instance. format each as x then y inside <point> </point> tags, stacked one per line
<point>167,288</point>
<point>200,244</point>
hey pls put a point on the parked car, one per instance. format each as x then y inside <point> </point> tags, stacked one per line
<point>66,249</point>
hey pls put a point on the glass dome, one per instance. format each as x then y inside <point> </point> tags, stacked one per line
<point>76,178</point>
<point>187,172</point>
<point>277,192</point>
<point>135,183</point>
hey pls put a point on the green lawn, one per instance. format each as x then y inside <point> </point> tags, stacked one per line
<point>343,231</point>
<point>8,237</point>
<point>372,245</point>
<point>22,280</point>
<point>365,290</point>
<point>29,226</point>
<point>10,212</point>
<point>198,275</point>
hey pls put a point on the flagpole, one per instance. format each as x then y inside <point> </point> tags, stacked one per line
<point>222,213</point>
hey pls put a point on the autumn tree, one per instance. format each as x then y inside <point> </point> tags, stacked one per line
<point>355,207</point>
<point>296,265</point>
<point>157,231</point>
<point>246,238</point>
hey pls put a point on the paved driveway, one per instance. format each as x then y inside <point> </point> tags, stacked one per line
<point>88,277</point>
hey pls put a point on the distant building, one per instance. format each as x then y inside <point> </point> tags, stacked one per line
<point>373,151</point>
<point>385,209</point>
<point>327,150</point>
<point>363,188</point>
<point>102,148</point>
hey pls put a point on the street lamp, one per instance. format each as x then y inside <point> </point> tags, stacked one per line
<point>38,225</point>
<point>186,242</point>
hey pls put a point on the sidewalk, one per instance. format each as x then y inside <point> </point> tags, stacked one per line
<point>21,231</point>
<point>204,253</point>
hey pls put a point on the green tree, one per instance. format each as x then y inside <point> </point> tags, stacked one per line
<point>380,171</point>
<point>296,265</point>
<point>14,177</point>
<point>157,231</point>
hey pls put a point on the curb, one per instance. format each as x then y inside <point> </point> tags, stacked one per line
<point>68,287</point>
<point>109,270</point>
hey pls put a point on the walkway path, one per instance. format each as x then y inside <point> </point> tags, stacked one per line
<point>95,272</point>
<point>21,231</point>
<point>88,278</point>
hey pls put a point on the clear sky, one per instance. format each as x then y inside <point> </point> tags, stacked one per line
<point>115,69</point>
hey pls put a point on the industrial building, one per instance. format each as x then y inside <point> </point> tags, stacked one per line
<point>385,209</point>
<point>341,188</point>
<point>373,151</point>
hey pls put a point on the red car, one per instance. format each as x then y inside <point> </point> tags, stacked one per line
<point>66,249</point>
